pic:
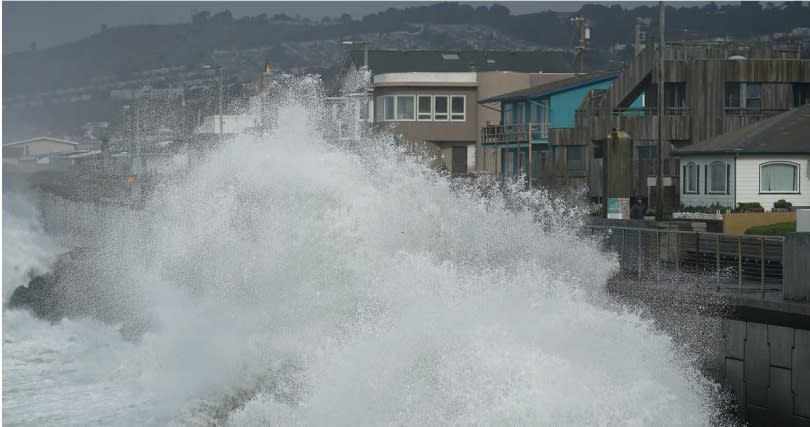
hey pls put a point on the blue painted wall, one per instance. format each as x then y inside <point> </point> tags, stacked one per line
<point>564,104</point>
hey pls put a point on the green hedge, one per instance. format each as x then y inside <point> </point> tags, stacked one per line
<point>778,229</point>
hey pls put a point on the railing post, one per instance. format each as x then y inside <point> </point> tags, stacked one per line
<point>624,239</point>
<point>739,264</point>
<point>677,252</point>
<point>638,256</point>
<point>717,258</point>
<point>762,264</point>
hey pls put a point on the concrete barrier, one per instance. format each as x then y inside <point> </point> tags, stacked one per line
<point>796,267</point>
<point>803,220</point>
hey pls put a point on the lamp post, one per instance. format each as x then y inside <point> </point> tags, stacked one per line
<point>219,84</point>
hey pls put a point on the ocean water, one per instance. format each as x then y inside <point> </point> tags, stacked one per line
<point>291,279</point>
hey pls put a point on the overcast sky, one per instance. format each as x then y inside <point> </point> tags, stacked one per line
<point>52,23</point>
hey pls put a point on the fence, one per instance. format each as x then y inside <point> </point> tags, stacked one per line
<point>741,263</point>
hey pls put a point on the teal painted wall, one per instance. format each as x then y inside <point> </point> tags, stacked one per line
<point>564,104</point>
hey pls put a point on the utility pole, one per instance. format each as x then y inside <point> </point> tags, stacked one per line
<point>659,179</point>
<point>640,38</point>
<point>584,34</point>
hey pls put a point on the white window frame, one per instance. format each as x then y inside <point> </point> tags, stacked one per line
<point>463,108</point>
<point>396,108</point>
<point>430,113</point>
<point>688,178</point>
<point>796,177</point>
<point>436,112</point>
<point>383,109</point>
<point>710,178</point>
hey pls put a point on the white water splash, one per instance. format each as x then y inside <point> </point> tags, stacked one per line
<point>297,282</point>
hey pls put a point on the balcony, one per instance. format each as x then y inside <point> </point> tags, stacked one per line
<point>514,133</point>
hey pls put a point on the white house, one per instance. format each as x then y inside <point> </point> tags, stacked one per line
<point>762,162</point>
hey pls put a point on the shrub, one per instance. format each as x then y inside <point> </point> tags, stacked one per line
<point>778,229</point>
<point>782,204</point>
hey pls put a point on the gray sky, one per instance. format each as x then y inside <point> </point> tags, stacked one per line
<point>53,23</point>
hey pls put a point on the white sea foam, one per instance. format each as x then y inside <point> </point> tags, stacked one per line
<point>297,281</point>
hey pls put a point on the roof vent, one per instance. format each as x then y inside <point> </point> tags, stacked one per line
<point>449,56</point>
<point>736,57</point>
<point>490,61</point>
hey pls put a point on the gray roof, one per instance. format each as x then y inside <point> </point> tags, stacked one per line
<point>785,133</point>
<point>404,61</point>
<point>554,87</point>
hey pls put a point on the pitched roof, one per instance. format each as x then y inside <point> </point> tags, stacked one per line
<point>785,133</point>
<point>554,87</point>
<point>404,61</point>
<point>25,141</point>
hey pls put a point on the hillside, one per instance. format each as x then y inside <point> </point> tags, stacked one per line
<point>61,88</point>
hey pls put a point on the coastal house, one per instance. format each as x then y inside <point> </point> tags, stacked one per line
<point>533,136</point>
<point>710,88</point>
<point>762,162</point>
<point>35,153</point>
<point>431,96</point>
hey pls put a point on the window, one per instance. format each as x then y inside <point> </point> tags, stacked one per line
<point>405,109</point>
<point>385,111</point>
<point>743,96</point>
<point>508,107</point>
<point>457,111</point>
<point>425,107</point>
<point>779,177</point>
<point>440,108</point>
<point>647,152</point>
<point>675,96</point>
<point>733,95</point>
<point>717,178</point>
<point>575,158</point>
<point>691,175</point>
<point>801,94</point>
<point>753,96</point>
<point>521,113</point>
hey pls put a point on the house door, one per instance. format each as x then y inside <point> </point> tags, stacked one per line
<point>459,166</point>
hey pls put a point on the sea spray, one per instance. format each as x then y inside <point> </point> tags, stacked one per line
<point>295,279</point>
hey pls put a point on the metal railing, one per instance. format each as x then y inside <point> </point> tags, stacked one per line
<point>732,263</point>
<point>514,133</point>
<point>651,111</point>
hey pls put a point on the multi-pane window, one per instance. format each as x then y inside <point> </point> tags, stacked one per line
<point>743,96</point>
<point>575,158</point>
<point>691,175</point>
<point>457,108</point>
<point>717,178</point>
<point>508,109</point>
<point>440,108</point>
<point>385,108</point>
<point>425,107</point>
<point>405,108</point>
<point>421,107</point>
<point>779,177</point>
